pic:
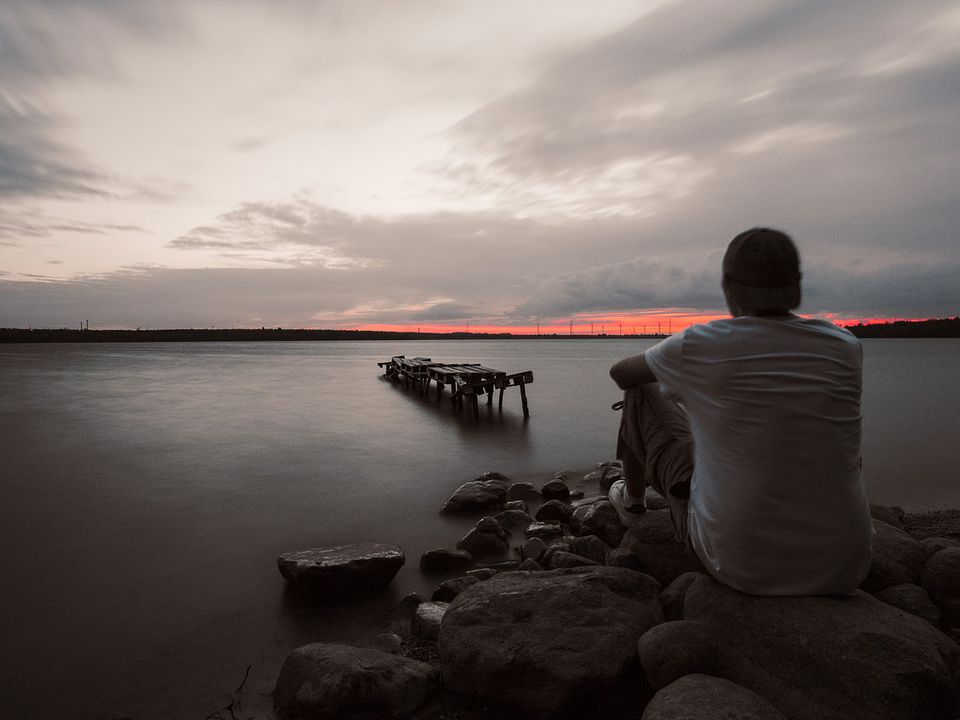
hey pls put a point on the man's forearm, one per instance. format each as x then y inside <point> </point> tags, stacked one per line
<point>632,371</point>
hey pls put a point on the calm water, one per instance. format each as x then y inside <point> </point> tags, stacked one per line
<point>147,490</point>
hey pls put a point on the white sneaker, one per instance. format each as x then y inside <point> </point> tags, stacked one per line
<point>629,515</point>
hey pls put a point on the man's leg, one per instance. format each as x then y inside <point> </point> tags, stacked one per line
<point>656,448</point>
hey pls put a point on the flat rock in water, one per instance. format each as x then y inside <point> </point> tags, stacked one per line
<point>941,578</point>
<point>898,558</point>
<point>332,680</point>
<point>829,658</point>
<point>476,495</point>
<point>539,642</point>
<point>652,547</point>
<point>702,697</point>
<point>343,571</point>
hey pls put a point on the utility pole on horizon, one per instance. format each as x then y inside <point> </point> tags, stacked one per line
<point>591,328</point>
<point>621,329</point>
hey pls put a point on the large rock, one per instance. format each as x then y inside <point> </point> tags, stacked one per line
<point>476,495</point>
<point>521,491</point>
<point>829,658</point>
<point>941,578</point>
<point>513,518</point>
<point>651,546</point>
<point>565,559</point>
<point>544,531</point>
<point>449,589</point>
<point>898,558</point>
<point>487,538</point>
<point>554,511</point>
<point>590,546</point>
<point>555,490</point>
<point>334,573</point>
<point>443,560</point>
<point>426,623</point>
<point>539,642</point>
<point>912,599</point>
<point>599,518</point>
<point>673,649</point>
<point>331,680</point>
<point>673,596</point>
<point>702,697</point>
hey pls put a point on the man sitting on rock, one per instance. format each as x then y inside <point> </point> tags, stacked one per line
<point>750,428</point>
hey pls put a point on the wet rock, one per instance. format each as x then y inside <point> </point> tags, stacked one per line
<point>476,495</point>
<point>941,578</point>
<point>912,599</point>
<point>564,559</point>
<point>441,561</point>
<point>449,589</point>
<point>540,642</point>
<point>495,478</point>
<point>426,623</point>
<point>702,697</point>
<point>555,490</point>
<point>590,546</point>
<point>933,545</point>
<point>533,548</point>
<point>554,511</point>
<point>897,558</point>
<point>830,658</point>
<point>513,518</point>
<point>544,531</point>
<point>673,649</point>
<point>890,515</point>
<point>335,573</point>
<point>652,547</point>
<point>332,680</point>
<point>488,537</point>
<point>521,491</point>
<point>600,519</point>
<point>673,595</point>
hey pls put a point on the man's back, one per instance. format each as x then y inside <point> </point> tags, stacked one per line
<point>777,505</point>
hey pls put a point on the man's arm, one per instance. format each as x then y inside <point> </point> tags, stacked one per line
<point>632,371</point>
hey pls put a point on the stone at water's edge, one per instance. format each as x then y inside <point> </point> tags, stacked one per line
<point>339,572</point>
<point>555,490</point>
<point>540,642</point>
<point>554,511</point>
<point>702,697</point>
<point>332,680</point>
<point>476,495</point>
<point>829,658</point>
<point>487,538</point>
<point>599,518</point>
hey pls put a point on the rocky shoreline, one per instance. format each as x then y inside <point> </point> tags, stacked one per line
<point>549,607</point>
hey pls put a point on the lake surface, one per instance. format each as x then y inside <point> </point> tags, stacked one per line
<point>147,490</point>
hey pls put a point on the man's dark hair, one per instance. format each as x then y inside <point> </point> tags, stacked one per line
<point>761,271</point>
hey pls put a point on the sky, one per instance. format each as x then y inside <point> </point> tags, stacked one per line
<point>445,164</point>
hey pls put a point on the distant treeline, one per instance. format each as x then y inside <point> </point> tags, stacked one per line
<point>942,328</point>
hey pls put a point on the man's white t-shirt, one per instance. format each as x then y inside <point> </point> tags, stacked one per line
<point>777,504</point>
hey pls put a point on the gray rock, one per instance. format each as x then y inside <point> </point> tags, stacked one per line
<point>554,511</point>
<point>521,491</point>
<point>426,623</point>
<point>933,545</point>
<point>516,505</point>
<point>494,478</point>
<point>829,658</point>
<point>564,559</point>
<point>553,547</point>
<point>890,515</point>
<point>941,578</point>
<point>476,495</point>
<point>655,549</point>
<point>897,558</point>
<point>702,697</point>
<point>533,549</point>
<point>483,573</point>
<point>673,649</point>
<point>590,546</point>
<point>912,599</point>
<point>544,531</point>
<point>600,519</point>
<point>530,565</point>
<point>555,490</point>
<point>513,518</point>
<point>440,561</point>
<point>449,589</point>
<point>388,642</point>
<point>335,573</point>
<point>673,595</point>
<point>331,680</point>
<point>488,537</point>
<point>539,642</point>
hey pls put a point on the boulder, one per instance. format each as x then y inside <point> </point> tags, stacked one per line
<point>554,511</point>
<point>590,546</point>
<point>340,572</point>
<point>494,478</point>
<point>829,658</point>
<point>933,545</point>
<point>912,599</point>
<point>488,537</point>
<point>654,548</point>
<point>441,561</point>
<point>533,548</point>
<point>449,589</point>
<point>599,518</point>
<point>890,515</point>
<point>941,578</point>
<point>521,491</point>
<point>673,595</point>
<point>426,623</point>
<point>898,558</point>
<point>673,649</point>
<point>564,559</point>
<point>544,531</point>
<point>513,518</point>
<point>476,495</point>
<point>540,642</point>
<point>332,680</point>
<point>555,490</point>
<point>702,697</point>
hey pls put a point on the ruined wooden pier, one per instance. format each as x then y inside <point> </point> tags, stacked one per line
<point>467,381</point>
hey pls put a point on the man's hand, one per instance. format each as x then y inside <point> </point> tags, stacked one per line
<point>632,371</point>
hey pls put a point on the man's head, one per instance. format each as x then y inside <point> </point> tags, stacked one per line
<point>761,273</point>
